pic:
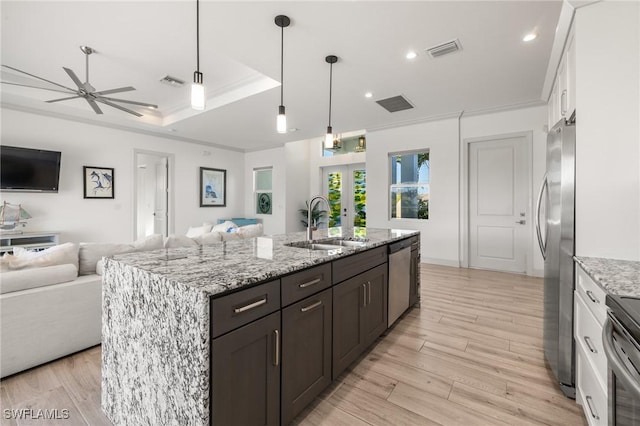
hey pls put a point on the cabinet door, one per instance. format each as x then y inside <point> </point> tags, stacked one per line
<point>571,76</point>
<point>552,107</point>
<point>306,352</point>
<point>562,87</point>
<point>245,374</point>
<point>348,343</point>
<point>375,311</point>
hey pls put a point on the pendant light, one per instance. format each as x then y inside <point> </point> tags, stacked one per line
<point>281,122</point>
<point>328,139</point>
<point>197,88</point>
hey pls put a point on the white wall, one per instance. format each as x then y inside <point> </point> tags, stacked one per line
<point>273,223</point>
<point>439,234</point>
<point>81,144</point>
<point>608,136</point>
<point>515,121</point>
<point>297,183</point>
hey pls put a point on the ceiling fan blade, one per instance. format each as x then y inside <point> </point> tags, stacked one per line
<point>121,108</point>
<point>94,105</point>
<point>74,77</point>
<point>37,87</point>
<point>63,99</point>
<point>39,78</point>
<point>118,90</point>
<point>144,104</point>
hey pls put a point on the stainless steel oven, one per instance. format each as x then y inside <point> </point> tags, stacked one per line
<point>620,341</point>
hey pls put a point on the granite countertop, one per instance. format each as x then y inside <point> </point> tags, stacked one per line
<point>229,265</point>
<point>616,277</point>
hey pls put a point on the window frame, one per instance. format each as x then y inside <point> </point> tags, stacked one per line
<point>392,186</point>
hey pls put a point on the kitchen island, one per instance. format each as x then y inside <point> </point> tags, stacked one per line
<point>172,318</point>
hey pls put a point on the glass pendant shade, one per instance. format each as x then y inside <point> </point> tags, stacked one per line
<point>281,121</point>
<point>328,139</point>
<point>197,96</point>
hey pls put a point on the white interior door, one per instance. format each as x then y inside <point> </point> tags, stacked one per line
<point>346,189</point>
<point>160,216</point>
<point>152,201</point>
<point>499,204</point>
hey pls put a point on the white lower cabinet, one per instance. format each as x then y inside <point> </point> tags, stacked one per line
<point>591,361</point>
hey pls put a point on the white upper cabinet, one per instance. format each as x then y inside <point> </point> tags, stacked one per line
<point>571,76</point>
<point>562,101</point>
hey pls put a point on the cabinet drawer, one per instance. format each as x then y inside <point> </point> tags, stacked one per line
<point>593,294</point>
<point>590,395</point>
<point>305,283</point>
<point>357,263</point>
<point>237,309</point>
<point>588,334</point>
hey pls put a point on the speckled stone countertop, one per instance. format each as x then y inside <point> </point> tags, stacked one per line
<point>229,265</point>
<point>616,277</point>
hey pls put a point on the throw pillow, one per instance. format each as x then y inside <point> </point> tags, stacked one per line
<point>174,241</point>
<point>250,231</point>
<point>61,254</point>
<point>196,231</point>
<point>224,227</point>
<point>91,253</point>
<point>150,242</point>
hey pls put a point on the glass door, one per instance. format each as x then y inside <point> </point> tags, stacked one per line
<point>346,189</point>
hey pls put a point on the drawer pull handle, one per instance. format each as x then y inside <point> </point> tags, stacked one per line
<point>310,283</point>
<point>594,413</point>
<point>369,291</point>
<point>276,357</point>
<point>592,348</point>
<point>312,306</point>
<point>250,306</point>
<point>592,297</point>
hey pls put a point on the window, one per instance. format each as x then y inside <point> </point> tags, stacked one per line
<point>263,190</point>
<point>409,188</point>
<point>345,145</point>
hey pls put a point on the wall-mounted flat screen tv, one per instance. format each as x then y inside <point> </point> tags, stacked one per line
<point>29,170</point>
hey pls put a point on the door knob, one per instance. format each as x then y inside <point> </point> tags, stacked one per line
<point>521,222</point>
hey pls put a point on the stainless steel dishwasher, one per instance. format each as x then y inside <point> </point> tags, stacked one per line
<point>399,279</point>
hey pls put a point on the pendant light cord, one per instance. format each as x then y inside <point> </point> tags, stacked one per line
<point>330,89</point>
<point>281,65</point>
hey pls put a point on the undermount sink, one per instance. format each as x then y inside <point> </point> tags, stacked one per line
<point>328,244</point>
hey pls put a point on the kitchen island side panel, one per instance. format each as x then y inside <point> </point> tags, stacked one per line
<point>155,349</point>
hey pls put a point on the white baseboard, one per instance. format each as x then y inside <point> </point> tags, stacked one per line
<point>443,262</point>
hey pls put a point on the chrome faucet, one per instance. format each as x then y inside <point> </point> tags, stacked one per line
<point>309,209</point>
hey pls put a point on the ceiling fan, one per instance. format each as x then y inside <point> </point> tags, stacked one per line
<point>85,90</point>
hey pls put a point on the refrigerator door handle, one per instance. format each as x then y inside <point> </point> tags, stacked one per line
<point>541,243</point>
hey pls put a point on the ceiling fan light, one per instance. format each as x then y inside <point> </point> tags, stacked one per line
<point>281,121</point>
<point>197,96</point>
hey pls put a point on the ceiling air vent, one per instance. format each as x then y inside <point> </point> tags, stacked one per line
<point>444,48</point>
<point>394,104</point>
<point>171,81</point>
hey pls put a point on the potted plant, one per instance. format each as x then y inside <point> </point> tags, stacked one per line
<point>317,215</point>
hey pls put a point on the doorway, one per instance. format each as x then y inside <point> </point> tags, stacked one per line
<point>346,189</point>
<point>152,197</point>
<point>499,212</point>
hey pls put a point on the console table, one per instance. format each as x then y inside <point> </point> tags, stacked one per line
<point>27,240</point>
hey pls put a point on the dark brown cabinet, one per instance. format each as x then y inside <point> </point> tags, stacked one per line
<point>306,352</point>
<point>359,315</point>
<point>414,284</point>
<point>245,374</point>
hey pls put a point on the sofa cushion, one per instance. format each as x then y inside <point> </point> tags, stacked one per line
<point>209,238</point>
<point>100,267</point>
<point>91,253</point>
<point>175,241</point>
<point>61,254</point>
<point>37,277</point>
<point>196,231</point>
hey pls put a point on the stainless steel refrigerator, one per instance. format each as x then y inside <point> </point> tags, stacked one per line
<point>555,231</point>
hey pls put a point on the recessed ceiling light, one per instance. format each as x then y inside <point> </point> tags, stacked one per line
<point>411,55</point>
<point>529,37</point>
<point>368,95</point>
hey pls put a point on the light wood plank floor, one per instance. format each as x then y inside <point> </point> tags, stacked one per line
<point>471,355</point>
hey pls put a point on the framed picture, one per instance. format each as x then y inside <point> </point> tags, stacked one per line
<point>213,187</point>
<point>98,182</point>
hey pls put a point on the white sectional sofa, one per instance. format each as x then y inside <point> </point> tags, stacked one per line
<point>51,301</point>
